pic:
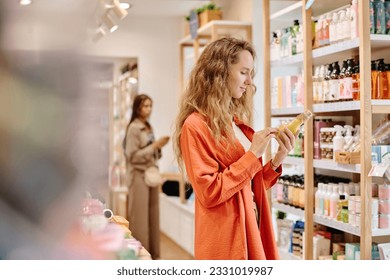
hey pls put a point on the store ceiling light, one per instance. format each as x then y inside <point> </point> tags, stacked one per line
<point>118,10</point>
<point>109,22</point>
<point>125,6</point>
<point>25,2</point>
<point>133,80</point>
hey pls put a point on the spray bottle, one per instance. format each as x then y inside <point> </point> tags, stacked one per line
<point>338,140</point>
<point>348,138</point>
<point>356,140</point>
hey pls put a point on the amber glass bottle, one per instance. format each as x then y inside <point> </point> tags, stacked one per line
<point>299,120</point>
<point>356,83</point>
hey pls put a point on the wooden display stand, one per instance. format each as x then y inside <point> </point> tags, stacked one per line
<point>124,223</point>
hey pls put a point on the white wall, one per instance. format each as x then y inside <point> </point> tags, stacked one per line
<point>236,9</point>
<point>154,41</point>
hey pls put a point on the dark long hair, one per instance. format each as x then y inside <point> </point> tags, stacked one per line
<point>137,106</point>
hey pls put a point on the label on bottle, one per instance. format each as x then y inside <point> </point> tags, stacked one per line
<point>334,88</point>
<point>347,88</point>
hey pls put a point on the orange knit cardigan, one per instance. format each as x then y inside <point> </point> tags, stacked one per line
<point>225,223</point>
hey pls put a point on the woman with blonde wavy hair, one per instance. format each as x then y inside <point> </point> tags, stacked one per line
<point>222,156</point>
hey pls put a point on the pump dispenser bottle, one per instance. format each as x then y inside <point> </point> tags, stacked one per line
<point>338,140</point>
<point>348,138</point>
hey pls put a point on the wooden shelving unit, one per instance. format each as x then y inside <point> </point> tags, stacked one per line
<point>363,109</point>
<point>121,99</point>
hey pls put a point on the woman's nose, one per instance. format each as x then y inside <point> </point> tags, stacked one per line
<point>248,80</point>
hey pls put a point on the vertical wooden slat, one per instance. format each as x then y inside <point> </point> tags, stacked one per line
<point>266,70</point>
<point>267,78</point>
<point>365,129</point>
<point>214,33</point>
<point>111,142</point>
<point>181,68</point>
<point>196,49</point>
<point>248,30</point>
<point>308,136</point>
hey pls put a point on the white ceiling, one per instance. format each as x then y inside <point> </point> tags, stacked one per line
<point>44,19</point>
<point>163,7</point>
<point>138,7</point>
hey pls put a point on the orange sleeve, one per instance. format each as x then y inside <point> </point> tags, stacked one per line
<point>212,183</point>
<point>270,175</point>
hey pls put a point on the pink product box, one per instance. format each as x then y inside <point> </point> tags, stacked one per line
<point>384,191</point>
<point>384,206</point>
<point>384,221</point>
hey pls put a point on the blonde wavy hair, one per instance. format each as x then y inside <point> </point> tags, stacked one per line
<point>208,92</point>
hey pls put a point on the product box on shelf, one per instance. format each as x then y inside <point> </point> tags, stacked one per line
<point>209,15</point>
<point>321,247</point>
<point>381,153</point>
<point>348,157</point>
<point>352,251</point>
<point>384,251</point>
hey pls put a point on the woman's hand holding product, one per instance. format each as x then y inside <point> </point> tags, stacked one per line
<point>286,140</point>
<point>261,139</point>
<point>161,142</point>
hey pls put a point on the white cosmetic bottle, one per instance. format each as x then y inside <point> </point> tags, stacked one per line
<point>338,140</point>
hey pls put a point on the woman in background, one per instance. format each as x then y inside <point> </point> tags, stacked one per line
<point>142,151</point>
<point>223,156</point>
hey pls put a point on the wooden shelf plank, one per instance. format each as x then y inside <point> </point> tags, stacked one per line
<point>380,106</point>
<point>286,10</point>
<point>206,30</point>
<point>355,230</point>
<point>334,52</point>
<point>295,60</point>
<point>289,209</point>
<point>336,107</point>
<point>280,112</point>
<point>332,165</point>
<point>294,160</point>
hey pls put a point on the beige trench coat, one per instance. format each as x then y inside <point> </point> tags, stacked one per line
<point>143,201</point>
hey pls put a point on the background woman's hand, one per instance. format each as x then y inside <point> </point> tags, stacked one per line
<point>261,139</point>
<point>161,142</point>
<point>286,140</point>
